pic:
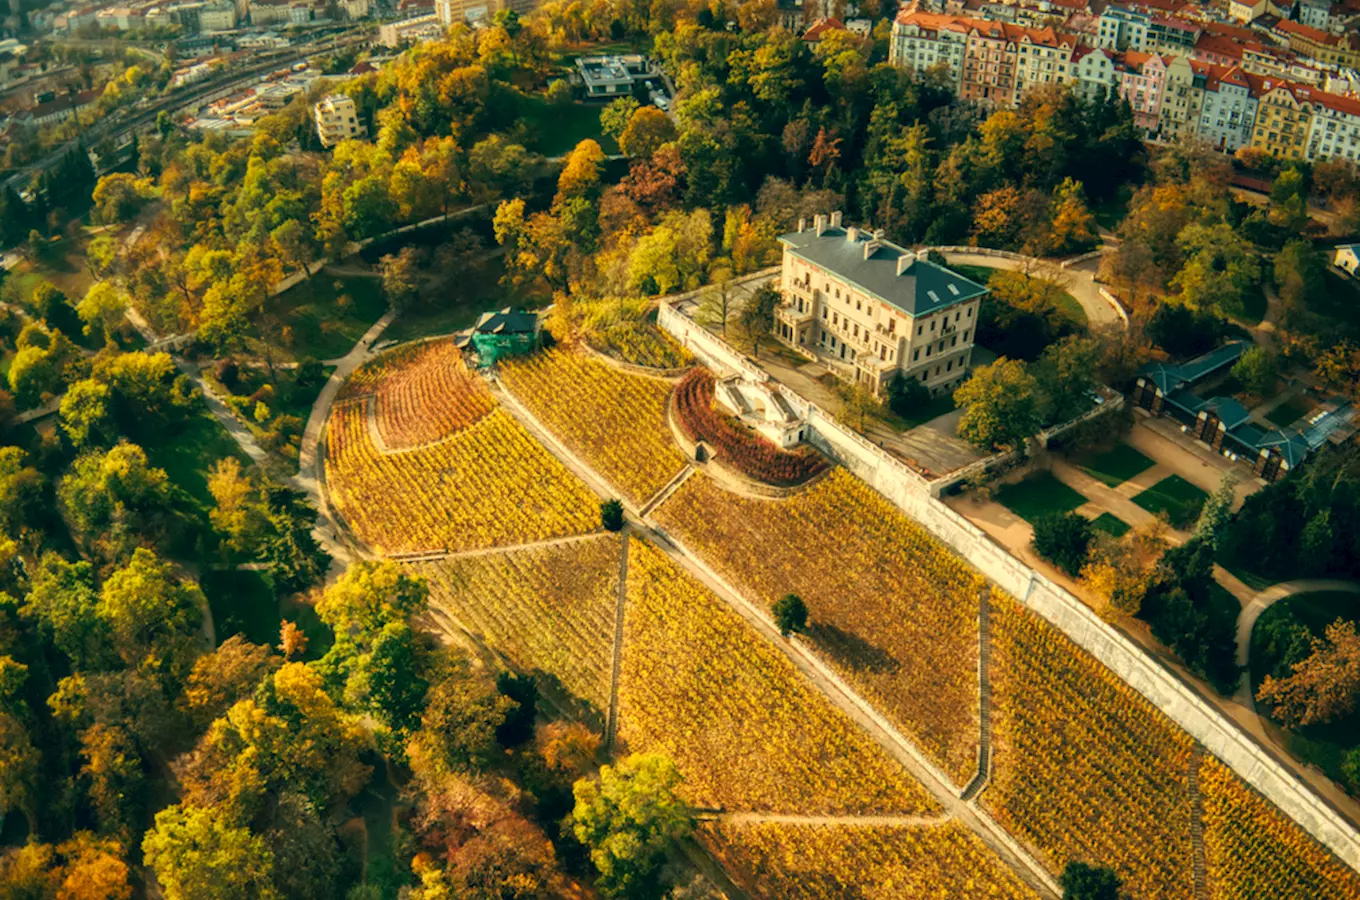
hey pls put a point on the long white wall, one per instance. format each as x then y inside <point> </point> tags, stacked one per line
<point>911,493</point>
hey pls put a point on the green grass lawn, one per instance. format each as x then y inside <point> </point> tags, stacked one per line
<point>1116,466</point>
<point>188,450</point>
<point>1253,307</point>
<point>1289,412</point>
<point>243,603</point>
<point>1068,307</point>
<point>311,320</point>
<point>1337,302</point>
<point>1173,495</point>
<point>558,129</point>
<point>1039,495</point>
<point>1110,524</point>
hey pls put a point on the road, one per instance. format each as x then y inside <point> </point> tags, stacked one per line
<point>115,127</point>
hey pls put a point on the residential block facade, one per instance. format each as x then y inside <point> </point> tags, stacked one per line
<point>869,309</point>
<point>336,120</point>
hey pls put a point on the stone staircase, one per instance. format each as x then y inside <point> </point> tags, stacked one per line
<point>984,697</point>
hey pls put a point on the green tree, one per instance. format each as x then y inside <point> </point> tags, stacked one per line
<point>1001,406</point>
<point>63,601</point>
<point>458,724</point>
<point>1066,375</point>
<point>197,854</point>
<point>614,118</point>
<point>1080,881</point>
<point>790,615</point>
<point>153,617</point>
<point>756,318</point>
<point>1257,370</point>
<point>628,819</point>
<point>611,514</point>
<point>22,489</point>
<point>370,596</point>
<point>1064,539</point>
<point>1216,513</point>
<point>1220,269</point>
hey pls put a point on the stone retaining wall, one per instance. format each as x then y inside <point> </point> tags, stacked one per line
<point>1179,701</point>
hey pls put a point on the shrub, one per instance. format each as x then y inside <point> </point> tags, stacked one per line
<point>611,515</point>
<point>228,373</point>
<point>1063,539</point>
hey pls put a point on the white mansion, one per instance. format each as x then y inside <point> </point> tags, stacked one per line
<point>869,309</point>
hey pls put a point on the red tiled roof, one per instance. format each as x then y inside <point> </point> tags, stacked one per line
<point>821,27</point>
<point>1307,32</point>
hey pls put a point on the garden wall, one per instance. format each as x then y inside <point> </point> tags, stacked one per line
<point>912,494</point>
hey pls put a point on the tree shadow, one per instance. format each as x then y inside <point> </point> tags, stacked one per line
<point>852,651</point>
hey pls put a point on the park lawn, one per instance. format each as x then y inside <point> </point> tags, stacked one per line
<point>320,325</point>
<point>242,602</point>
<point>1039,495</point>
<point>1289,412</point>
<point>1116,466</point>
<point>1110,524</point>
<point>1173,495</point>
<point>558,129</point>
<point>187,451</point>
<point>1067,305</point>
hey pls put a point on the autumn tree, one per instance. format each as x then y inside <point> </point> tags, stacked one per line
<point>648,128</point>
<point>400,277</point>
<point>1322,688</point>
<point>1220,268</point>
<point>102,309</point>
<point>198,854</point>
<point>1002,406</point>
<point>1121,571</point>
<point>757,316</point>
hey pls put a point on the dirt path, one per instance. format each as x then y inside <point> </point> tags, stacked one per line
<point>436,555</point>
<point>817,673</point>
<point>616,665</point>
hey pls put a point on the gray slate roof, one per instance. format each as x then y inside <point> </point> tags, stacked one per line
<point>923,288</point>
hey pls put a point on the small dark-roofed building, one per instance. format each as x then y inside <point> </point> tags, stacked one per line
<point>871,310</point>
<point>1225,425</point>
<point>505,332</point>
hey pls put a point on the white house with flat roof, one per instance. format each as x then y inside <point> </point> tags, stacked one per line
<point>869,309</point>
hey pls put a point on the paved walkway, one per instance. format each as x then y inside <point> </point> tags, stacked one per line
<point>309,476</point>
<point>1267,598</point>
<point>1079,280</point>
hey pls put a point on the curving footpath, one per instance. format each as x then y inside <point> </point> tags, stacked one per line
<point>1080,279</point>
<point>1264,600</point>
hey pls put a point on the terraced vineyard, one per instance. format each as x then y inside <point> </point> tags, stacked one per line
<point>1253,850</point>
<point>613,420</point>
<point>892,608</point>
<point>1083,767</point>
<point>830,862</point>
<point>548,610</point>
<point>489,485</point>
<point>742,725</point>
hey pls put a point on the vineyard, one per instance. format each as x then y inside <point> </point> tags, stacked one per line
<point>741,723</point>
<point>613,420</point>
<point>736,445</point>
<point>549,610</point>
<point>893,610</point>
<point>641,346</point>
<point>807,862</point>
<point>1254,851</point>
<point>489,485</point>
<point>365,379</point>
<point>1083,766</point>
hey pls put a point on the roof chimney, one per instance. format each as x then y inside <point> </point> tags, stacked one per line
<point>836,219</point>
<point>878,234</point>
<point>802,223</point>
<point>904,262</point>
<point>819,224</point>
<point>851,233</point>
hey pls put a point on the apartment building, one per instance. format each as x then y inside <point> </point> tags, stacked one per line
<point>1227,111</point>
<point>922,41</point>
<point>1043,57</point>
<point>415,30</point>
<point>1141,82</point>
<point>1092,71</point>
<point>1335,131</point>
<point>1323,46</point>
<point>461,12</point>
<point>1283,119</point>
<point>869,309</point>
<point>989,62</point>
<point>336,120</point>
<point>1182,95</point>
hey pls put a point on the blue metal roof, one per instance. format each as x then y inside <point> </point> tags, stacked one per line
<point>1169,376</point>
